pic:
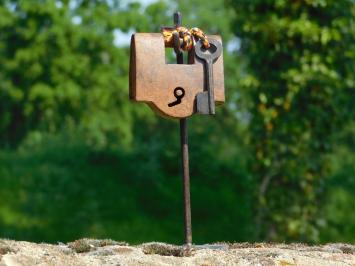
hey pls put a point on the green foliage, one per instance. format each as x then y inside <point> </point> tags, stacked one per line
<point>56,73</point>
<point>85,166</point>
<point>301,82</point>
<point>64,190</point>
<point>340,199</point>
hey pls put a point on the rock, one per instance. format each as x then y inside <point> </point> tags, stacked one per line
<point>108,252</point>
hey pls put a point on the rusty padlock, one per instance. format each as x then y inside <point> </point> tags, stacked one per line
<point>169,89</point>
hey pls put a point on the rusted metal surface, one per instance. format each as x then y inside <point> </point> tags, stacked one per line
<point>153,81</point>
<point>186,180</point>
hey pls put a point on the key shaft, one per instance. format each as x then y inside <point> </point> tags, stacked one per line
<point>210,85</point>
<point>205,100</point>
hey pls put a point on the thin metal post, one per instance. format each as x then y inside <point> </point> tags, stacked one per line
<point>184,154</point>
<point>186,180</point>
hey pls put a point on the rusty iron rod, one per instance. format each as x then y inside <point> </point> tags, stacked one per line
<point>184,153</point>
<point>186,180</point>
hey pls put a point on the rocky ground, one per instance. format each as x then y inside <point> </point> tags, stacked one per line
<point>108,252</point>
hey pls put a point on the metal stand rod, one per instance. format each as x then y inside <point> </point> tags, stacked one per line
<point>186,180</point>
<point>184,155</point>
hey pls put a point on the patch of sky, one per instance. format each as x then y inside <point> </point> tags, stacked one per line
<point>234,45</point>
<point>73,4</point>
<point>59,4</point>
<point>76,20</point>
<point>121,38</point>
<point>11,6</point>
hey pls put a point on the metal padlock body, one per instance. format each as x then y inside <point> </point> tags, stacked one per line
<point>153,81</point>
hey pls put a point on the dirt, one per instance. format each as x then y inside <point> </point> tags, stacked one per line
<point>109,252</point>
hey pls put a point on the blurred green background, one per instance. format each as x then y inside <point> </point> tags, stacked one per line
<point>78,159</point>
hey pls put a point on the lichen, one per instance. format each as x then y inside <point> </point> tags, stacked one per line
<point>108,242</point>
<point>165,250</point>
<point>80,245</point>
<point>87,244</point>
<point>4,249</point>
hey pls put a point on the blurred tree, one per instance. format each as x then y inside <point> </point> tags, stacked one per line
<point>59,69</point>
<point>340,186</point>
<point>87,161</point>
<point>300,79</point>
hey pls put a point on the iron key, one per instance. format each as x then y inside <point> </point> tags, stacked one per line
<point>205,103</point>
